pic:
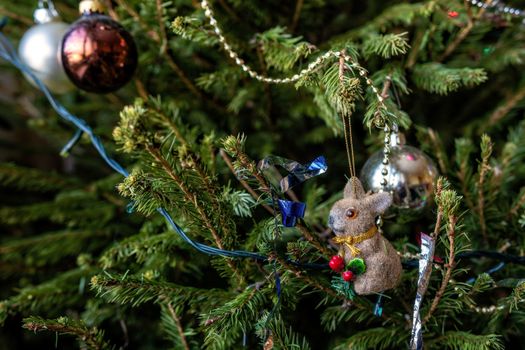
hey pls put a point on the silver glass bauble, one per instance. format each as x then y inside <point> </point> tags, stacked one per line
<point>39,49</point>
<point>410,174</point>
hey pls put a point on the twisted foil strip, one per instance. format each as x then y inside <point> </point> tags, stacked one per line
<point>297,172</point>
<point>425,266</point>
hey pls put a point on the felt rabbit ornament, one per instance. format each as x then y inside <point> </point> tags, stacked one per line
<point>353,221</point>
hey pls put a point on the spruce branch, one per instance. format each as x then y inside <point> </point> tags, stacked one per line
<point>26,20</point>
<point>440,79</point>
<point>386,87</point>
<point>141,89</point>
<point>309,280</point>
<point>244,184</point>
<point>403,14</point>
<point>416,46</point>
<point>384,93</point>
<point>28,179</point>
<point>161,38</point>
<point>375,338</point>
<point>52,247</point>
<point>517,296</point>
<point>518,205</point>
<point>191,160</point>
<point>192,198</point>
<point>243,165</point>
<point>386,46</point>
<point>471,20</point>
<point>226,8</point>
<point>46,296</point>
<point>89,338</point>
<point>314,240</point>
<point>135,129</point>
<point>281,50</point>
<point>225,323</point>
<point>135,291</point>
<point>274,333</point>
<point>110,6</point>
<point>464,149</point>
<point>267,88</point>
<point>138,19</point>
<point>162,27</point>
<point>440,185</point>
<point>180,329</point>
<point>140,248</point>
<point>436,146</point>
<point>451,233</point>
<point>507,105</point>
<point>341,90</point>
<point>296,14</point>
<point>466,341</point>
<point>484,168</point>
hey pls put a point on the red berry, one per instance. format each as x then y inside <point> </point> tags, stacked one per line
<point>348,275</point>
<point>337,263</point>
<point>453,14</point>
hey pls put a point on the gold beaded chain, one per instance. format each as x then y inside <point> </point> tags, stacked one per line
<point>208,12</point>
<point>332,54</point>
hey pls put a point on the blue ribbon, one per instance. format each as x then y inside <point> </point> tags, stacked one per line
<point>300,173</point>
<point>291,211</point>
<point>297,172</point>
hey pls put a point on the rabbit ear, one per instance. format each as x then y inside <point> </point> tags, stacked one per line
<point>379,202</point>
<point>354,189</point>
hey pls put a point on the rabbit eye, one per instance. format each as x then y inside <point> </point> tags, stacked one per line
<point>351,213</point>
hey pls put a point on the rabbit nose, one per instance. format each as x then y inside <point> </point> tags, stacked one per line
<point>330,221</point>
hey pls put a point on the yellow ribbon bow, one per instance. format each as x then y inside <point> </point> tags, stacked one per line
<point>351,241</point>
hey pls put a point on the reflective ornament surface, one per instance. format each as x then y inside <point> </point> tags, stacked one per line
<point>39,49</point>
<point>410,178</point>
<point>98,54</point>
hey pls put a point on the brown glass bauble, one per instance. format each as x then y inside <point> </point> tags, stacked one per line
<point>98,54</point>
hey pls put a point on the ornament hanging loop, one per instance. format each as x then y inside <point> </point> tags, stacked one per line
<point>42,4</point>
<point>45,12</point>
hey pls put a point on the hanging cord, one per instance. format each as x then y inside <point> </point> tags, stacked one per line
<point>47,4</point>
<point>347,124</point>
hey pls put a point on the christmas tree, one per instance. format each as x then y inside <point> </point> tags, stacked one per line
<point>195,247</point>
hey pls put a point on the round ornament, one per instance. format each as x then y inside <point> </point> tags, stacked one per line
<point>39,49</point>
<point>98,54</point>
<point>410,174</point>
